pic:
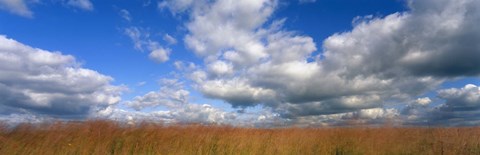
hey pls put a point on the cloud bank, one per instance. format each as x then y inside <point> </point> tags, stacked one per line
<point>252,60</point>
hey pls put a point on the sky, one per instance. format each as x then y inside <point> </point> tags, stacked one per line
<point>253,63</point>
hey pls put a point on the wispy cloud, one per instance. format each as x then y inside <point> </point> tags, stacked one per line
<point>81,4</point>
<point>22,7</point>
<point>169,39</point>
<point>125,14</point>
<point>142,41</point>
<point>18,7</point>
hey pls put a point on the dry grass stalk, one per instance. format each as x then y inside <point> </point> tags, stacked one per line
<point>104,137</point>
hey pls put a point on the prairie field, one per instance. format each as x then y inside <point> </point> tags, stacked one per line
<point>104,137</point>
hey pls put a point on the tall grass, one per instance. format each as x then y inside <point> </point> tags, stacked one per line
<point>103,137</point>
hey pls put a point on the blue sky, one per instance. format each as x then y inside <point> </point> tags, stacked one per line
<point>252,63</point>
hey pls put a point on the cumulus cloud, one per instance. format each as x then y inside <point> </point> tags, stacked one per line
<point>189,113</point>
<point>226,24</point>
<point>462,106</point>
<point>425,41</point>
<point>172,104</point>
<point>466,98</point>
<point>36,81</point>
<point>235,91</point>
<point>459,106</point>
<point>382,60</point>
<point>171,94</point>
<point>204,114</point>
<point>219,68</point>
<point>423,101</point>
<point>159,55</point>
<point>81,4</point>
<point>416,109</point>
<point>18,7</point>
<point>184,66</point>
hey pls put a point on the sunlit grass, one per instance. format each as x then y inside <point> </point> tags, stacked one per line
<point>103,137</point>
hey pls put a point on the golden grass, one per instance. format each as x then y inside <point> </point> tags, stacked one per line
<point>103,137</point>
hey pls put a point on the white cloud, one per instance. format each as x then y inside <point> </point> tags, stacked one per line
<point>227,23</point>
<point>81,4</point>
<point>160,55</point>
<point>171,95</point>
<point>177,5</point>
<point>15,119</point>
<point>169,39</point>
<point>423,101</point>
<point>285,47</point>
<point>464,98</point>
<point>204,114</point>
<point>219,68</point>
<point>461,106</point>
<point>18,7</point>
<point>235,91</point>
<point>141,41</point>
<point>198,76</point>
<point>376,113</point>
<point>184,66</point>
<point>393,43</point>
<point>22,7</point>
<point>136,36</point>
<point>42,82</point>
<point>189,113</point>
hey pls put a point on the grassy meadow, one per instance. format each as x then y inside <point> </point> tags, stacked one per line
<point>103,137</point>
